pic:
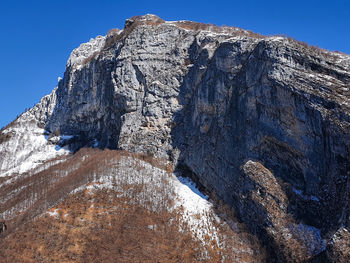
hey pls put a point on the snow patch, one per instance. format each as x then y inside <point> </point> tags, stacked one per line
<point>305,197</point>
<point>29,145</point>
<point>53,213</point>
<point>195,207</point>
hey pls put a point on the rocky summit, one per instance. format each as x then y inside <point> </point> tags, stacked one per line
<point>260,122</point>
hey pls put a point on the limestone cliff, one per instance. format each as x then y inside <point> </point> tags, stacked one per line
<point>210,99</point>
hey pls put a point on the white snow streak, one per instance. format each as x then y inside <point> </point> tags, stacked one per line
<point>30,146</point>
<point>197,210</point>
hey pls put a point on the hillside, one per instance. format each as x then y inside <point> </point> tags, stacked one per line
<point>122,209</point>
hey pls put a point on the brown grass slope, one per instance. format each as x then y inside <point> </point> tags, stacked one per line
<point>106,225</point>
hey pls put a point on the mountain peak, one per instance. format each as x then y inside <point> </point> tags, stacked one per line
<point>143,19</point>
<point>208,99</point>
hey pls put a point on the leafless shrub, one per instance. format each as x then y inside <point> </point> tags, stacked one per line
<point>4,137</point>
<point>232,31</point>
<point>113,31</point>
<point>130,25</point>
<point>91,58</point>
<point>313,49</point>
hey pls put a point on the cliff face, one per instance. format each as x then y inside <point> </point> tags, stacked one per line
<point>210,99</point>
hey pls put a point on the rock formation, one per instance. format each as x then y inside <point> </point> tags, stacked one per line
<point>264,122</point>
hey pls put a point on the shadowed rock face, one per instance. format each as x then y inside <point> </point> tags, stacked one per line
<point>263,205</point>
<point>210,99</point>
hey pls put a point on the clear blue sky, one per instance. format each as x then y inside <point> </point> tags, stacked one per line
<point>37,36</point>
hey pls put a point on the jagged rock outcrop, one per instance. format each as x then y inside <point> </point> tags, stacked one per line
<point>263,205</point>
<point>210,99</point>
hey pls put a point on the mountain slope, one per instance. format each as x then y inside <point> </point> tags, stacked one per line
<point>262,122</point>
<point>122,208</point>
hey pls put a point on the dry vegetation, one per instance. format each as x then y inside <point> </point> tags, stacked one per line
<point>91,58</point>
<point>4,137</point>
<point>105,225</point>
<point>313,49</point>
<point>232,31</point>
<point>101,227</point>
<point>114,35</point>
